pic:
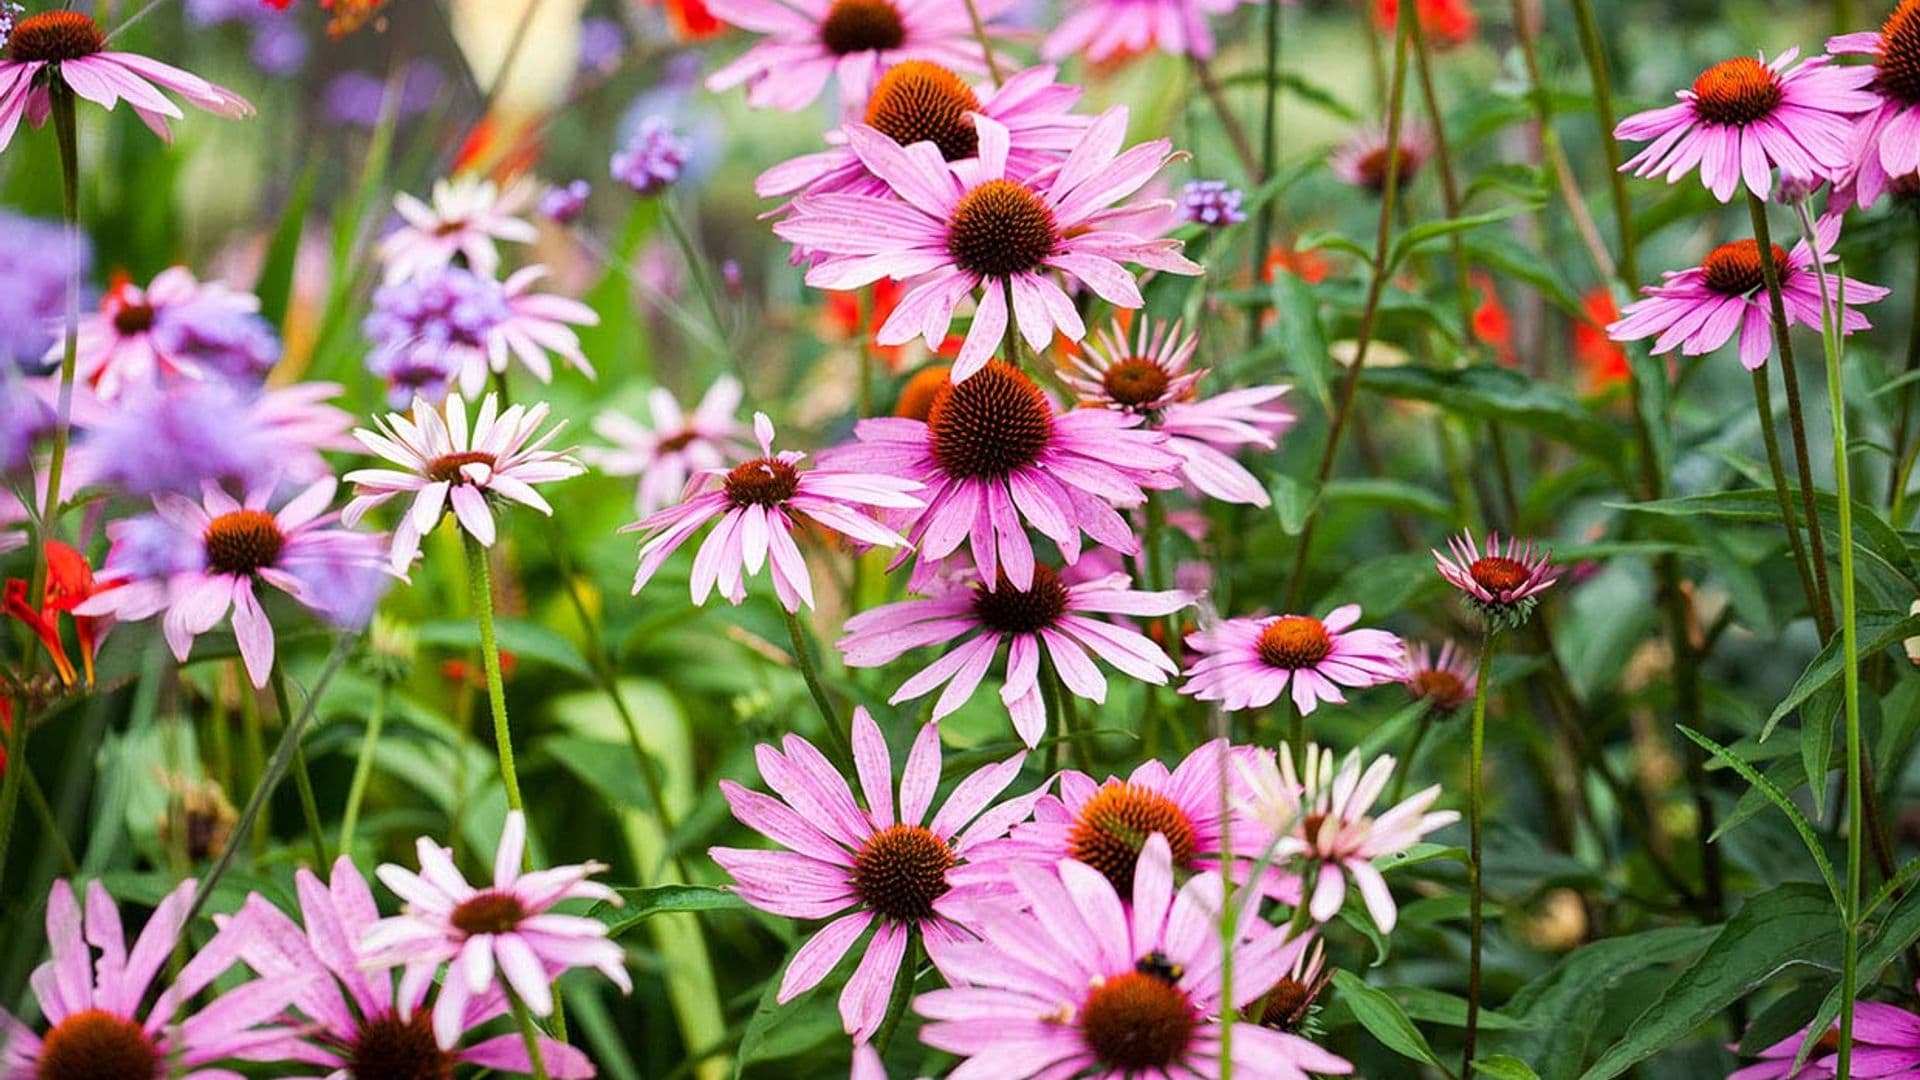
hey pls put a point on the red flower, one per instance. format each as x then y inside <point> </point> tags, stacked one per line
<point>1602,363</point>
<point>474,675</point>
<point>1491,323</point>
<point>1447,23</point>
<point>1309,266</point>
<point>69,583</point>
<point>690,19</point>
<point>844,308</point>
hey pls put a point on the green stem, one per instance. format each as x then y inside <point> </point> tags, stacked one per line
<point>1236,134</point>
<point>1443,160</point>
<point>1428,717</point>
<point>10,780</point>
<point>302,780</point>
<point>902,994</point>
<point>529,1034</point>
<point>986,43</point>
<point>363,768</point>
<point>1789,517</point>
<point>1476,900</point>
<point>1902,459</point>
<point>696,266</point>
<point>1056,717</point>
<point>803,659</point>
<point>61,102</point>
<point>254,744</point>
<point>1269,152</point>
<point>37,799</point>
<point>480,582</point>
<point>1598,70</point>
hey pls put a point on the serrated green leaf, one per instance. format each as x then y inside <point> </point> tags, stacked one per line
<point>1876,629</point>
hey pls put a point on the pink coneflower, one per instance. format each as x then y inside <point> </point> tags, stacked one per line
<point>1104,30</point>
<point>1048,616</point>
<point>1744,117</point>
<point>457,321</point>
<point>465,218</point>
<point>993,453</point>
<point>1699,309</point>
<point>1886,140</point>
<point>810,41</point>
<point>118,346</point>
<point>920,101</point>
<point>1247,663</point>
<point>1776,1061</point>
<point>1290,1004</point>
<point>986,234</point>
<point>678,445</point>
<point>1151,379</point>
<point>1364,158</point>
<point>755,505</point>
<point>93,1007</point>
<point>1445,682</point>
<point>500,935</point>
<point>1073,983</point>
<point>357,1025</point>
<point>864,868</point>
<point>71,47</point>
<point>504,457</point>
<point>1326,819</point>
<point>1503,584</point>
<point>219,552</point>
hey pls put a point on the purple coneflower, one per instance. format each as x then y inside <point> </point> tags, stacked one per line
<point>1104,30</point>
<point>451,318</point>
<point>754,506</point>
<point>868,868</point>
<point>464,219</point>
<point>984,234</point>
<point>1886,139</point>
<point>173,328</point>
<point>1445,682</point>
<point>1247,663</point>
<point>1502,584</point>
<point>502,935</point>
<point>1744,117</point>
<point>1048,617</point>
<point>1364,158</point>
<point>678,445</point>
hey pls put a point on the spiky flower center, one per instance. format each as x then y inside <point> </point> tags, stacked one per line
<point>1137,1021</point>
<point>1286,1003</point>
<point>990,425</point>
<point>243,541</point>
<point>916,398</point>
<point>1022,611</point>
<point>1498,574</point>
<point>762,482</point>
<point>446,469</point>
<point>1442,688</point>
<point>919,101</point>
<point>901,871</point>
<point>1114,825</point>
<point>677,442</point>
<point>1899,61</point>
<point>1734,269</point>
<point>1000,229</point>
<point>133,320</point>
<point>390,1047</point>
<point>1135,382</point>
<point>52,36</point>
<point>490,912</point>
<point>1293,642</point>
<point>94,1044</point>
<point>853,26</point>
<point>1373,165</point>
<point>1736,91</point>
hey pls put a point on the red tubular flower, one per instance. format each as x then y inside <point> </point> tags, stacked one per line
<point>1602,364</point>
<point>1447,23</point>
<point>690,19</point>
<point>69,583</point>
<point>1492,324</point>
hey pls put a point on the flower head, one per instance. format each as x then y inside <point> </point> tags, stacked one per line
<point>504,934</point>
<point>1047,618</point>
<point>176,327</point>
<point>1698,310</point>
<point>563,204</point>
<point>1502,584</point>
<point>1247,663</point>
<point>451,318</point>
<point>1364,159</point>
<point>1075,982</point>
<point>1445,681</point>
<point>676,446</point>
<point>891,871</point>
<point>1211,203</point>
<point>69,583</point>
<point>179,437</point>
<point>1744,117</point>
<point>652,159</point>
<point>1326,818</point>
<point>465,218</point>
<point>1886,138</point>
<point>1103,30</point>
<point>988,235</point>
<point>992,453</point>
<point>69,46</point>
<point>504,456</point>
<point>36,260</point>
<point>754,505</point>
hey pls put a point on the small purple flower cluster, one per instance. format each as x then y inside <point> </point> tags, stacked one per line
<point>564,204</point>
<point>653,159</point>
<point>34,267</point>
<point>219,338</point>
<point>1211,203</point>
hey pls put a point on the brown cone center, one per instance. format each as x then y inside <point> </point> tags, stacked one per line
<point>52,36</point>
<point>1736,91</point>
<point>919,101</point>
<point>901,871</point>
<point>97,1045</point>
<point>990,425</point>
<point>853,26</point>
<point>1115,825</point>
<point>1294,642</point>
<point>242,542</point>
<point>1137,1021</point>
<point>1000,229</point>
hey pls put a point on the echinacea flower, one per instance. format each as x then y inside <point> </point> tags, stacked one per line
<point>225,550</point>
<point>1776,1061</point>
<point>1699,309</point>
<point>1364,158</point>
<point>676,446</point>
<point>754,506</point>
<point>1886,139</point>
<point>812,41</point>
<point>455,319</point>
<point>1291,1004</point>
<point>1247,663</point>
<point>873,868</point>
<point>1502,584</point>
<point>1047,618</point>
<point>70,48</point>
<point>1445,681</point>
<point>1103,30</point>
<point>652,160</point>
<point>993,453</point>
<point>357,1025</point>
<point>1075,982</point>
<point>988,235</point>
<point>505,456</point>
<point>96,1023</point>
<point>502,935</point>
<point>1744,117</point>
<point>465,218</point>
<point>1151,378</point>
<point>141,337</point>
<point>920,101</point>
<point>1326,818</point>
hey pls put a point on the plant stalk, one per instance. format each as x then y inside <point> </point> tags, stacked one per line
<point>1476,900</point>
<point>480,583</point>
<point>809,671</point>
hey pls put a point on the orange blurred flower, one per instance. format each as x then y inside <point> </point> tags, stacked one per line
<point>1447,23</point>
<point>1602,362</point>
<point>690,19</point>
<point>1309,266</point>
<point>475,675</point>
<point>1492,325</point>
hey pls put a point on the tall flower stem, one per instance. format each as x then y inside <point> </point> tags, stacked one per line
<point>49,824</point>
<point>15,739</point>
<point>1789,517</point>
<point>1421,725</point>
<point>66,135</point>
<point>809,671</point>
<point>363,767</point>
<point>302,779</point>
<point>1796,418</point>
<point>1830,309</point>
<point>986,42</point>
<point>1443,162</point>
<point>529,1034</point>
<point>696,266</point>
<point>1902,461</point>
<point>1269,153</point>
<point>480,583</point>
<point>1600,73</point>
<point>1376,286</point>
<point>1475,899</point>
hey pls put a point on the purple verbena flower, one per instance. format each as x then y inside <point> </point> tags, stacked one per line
<point>217,338</point>
<point>653,158</point>
<point>35,262</point>
<point>602,43</point>
<point>1211,203</point>
<point>563,205</point>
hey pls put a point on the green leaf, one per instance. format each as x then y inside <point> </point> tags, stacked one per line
<point>1876,629</point>
<point>1303,345</point>
<point>1898,930</point>
<point>1389,495</point>
<point>1384,1019</point>
<point>275,284</point>
<point>1566,1009</point>
<point>1429,231</point>
<point>1503,1067</point>
<point>1779,799</point>
<point>1873,537</point>
<point>1439,1007</point>
<point>777,1031</point>
<point>525,639</point>
<point>1293,502</point>
<point>641,904</point>
<point>1486,392</point>
<point>1787,925</point>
